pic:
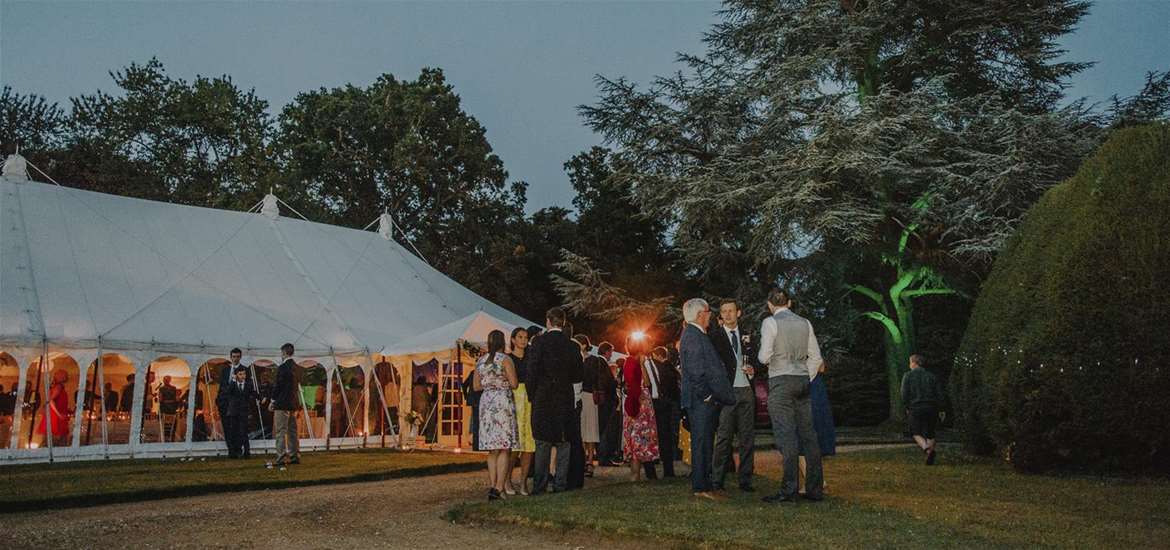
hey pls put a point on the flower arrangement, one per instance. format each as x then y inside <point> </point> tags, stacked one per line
<point>413,418</point>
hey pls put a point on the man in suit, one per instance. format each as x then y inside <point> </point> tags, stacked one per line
<point>704,389</point>
<point>227,375</point>
<point>554,365</point>
<point>284,405</point>
<point>738,420</point>
<point>789,348</point>
<point>239,395</point>
<point>605,394</point>
<point>665,387</point>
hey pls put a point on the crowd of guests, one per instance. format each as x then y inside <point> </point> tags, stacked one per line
<point>543,393</point>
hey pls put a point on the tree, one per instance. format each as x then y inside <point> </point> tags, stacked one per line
<point>408,148</point>
<point>30,123</point>
<point>620,273</point>
<point>812,128</point>
<point>203,142</point>
<point>896,314</point>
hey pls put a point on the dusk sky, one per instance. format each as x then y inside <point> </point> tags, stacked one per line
<point>521,68</point>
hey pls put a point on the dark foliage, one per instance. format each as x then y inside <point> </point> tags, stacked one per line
<point>1064,363</point>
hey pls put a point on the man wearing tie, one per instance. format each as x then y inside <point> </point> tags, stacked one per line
<point>738,420</point>
<point>704,389</point>
<point>789,347</point>
<point>238,397</point>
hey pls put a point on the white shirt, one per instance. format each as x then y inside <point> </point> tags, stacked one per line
<point>652,369</point>
<point>741,380</point>
<point>768,332</point>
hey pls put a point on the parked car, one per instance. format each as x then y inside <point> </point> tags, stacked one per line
<point>760,386</point>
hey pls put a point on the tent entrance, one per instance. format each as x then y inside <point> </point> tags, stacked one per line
<point>454,428</point>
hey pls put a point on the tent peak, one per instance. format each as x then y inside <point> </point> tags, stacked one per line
<point>16,167</point>
<point>386,226</point>
<point>271,207</point>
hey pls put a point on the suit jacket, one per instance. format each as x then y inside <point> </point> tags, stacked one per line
<point>669,382</point>
<point>284,394</point>
<point>554,365</point>
<point>226,376</point>
<point>722,345</point>
<point>704,374</point>
<point>238,402</point>
<point>592,367</point>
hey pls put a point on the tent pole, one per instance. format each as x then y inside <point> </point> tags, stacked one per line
<point>102,383</point>
<point>329,404</point>
<point>206,368</point>
<point>33,419</point>
<point>47,418</point>
<point>259,409</point>
<point>94,395</point>
<point>145,394</point>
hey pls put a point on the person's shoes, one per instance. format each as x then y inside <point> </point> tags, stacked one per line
<point>746,488</point>
<point>283,467</point>
<point>509,490</point>
<point>493,494</point>
<point>269,465</point>
<point>805,496</point>
<point>779,499</point>
<point>523,491</point>
<point>295,460</point>
<point>930,456</point>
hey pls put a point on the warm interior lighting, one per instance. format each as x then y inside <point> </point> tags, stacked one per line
<point>637,336</point>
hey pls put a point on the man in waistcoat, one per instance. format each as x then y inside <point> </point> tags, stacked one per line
<point>789,348</point>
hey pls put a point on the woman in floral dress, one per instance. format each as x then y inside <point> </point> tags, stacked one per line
<point>495,375</point>
<point>640,441</point>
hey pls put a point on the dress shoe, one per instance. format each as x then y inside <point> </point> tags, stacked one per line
<point>805,496</point>
<point>779,499</point>
<point>746,488</point>
<point>930,456</point>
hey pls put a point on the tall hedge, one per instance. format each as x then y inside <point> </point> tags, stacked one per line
<point>1066,360</point>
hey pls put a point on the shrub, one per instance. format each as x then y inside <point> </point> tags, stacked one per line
<point>1064,362</point>
<point>857,390</point>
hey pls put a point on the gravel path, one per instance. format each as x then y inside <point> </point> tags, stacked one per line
<point>402,513</point>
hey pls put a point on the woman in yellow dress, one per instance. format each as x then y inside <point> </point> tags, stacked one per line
<point>526,445</point>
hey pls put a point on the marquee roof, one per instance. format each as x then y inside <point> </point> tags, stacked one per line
<point>76,266</point>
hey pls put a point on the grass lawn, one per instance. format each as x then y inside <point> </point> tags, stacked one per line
<point>877,499</point>
<point>41,486</point>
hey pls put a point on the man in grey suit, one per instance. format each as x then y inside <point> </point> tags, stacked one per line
<point>789,348</point>
<point>705,387</point>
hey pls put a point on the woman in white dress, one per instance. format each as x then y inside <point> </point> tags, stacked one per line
<point>495,376</point>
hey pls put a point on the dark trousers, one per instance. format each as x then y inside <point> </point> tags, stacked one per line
<point>611,439</point>
<point>474,427</point>
<point>704,417</point>
<point>667,436</point>
<point>540,475</point>
<point>605,447</point>
<point>736,422</point>
<point>792,426</point>
<point>236,433</point>
<point>576,478</point>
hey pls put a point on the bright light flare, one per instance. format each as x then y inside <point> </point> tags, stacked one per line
<point>637,336</point>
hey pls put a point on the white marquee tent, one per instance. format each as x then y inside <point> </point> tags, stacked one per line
<point>117,290</point>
